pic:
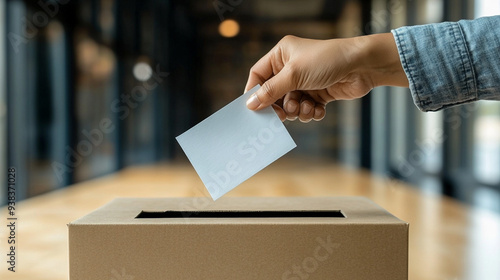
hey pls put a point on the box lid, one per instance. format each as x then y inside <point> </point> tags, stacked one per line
<point>355,210</point>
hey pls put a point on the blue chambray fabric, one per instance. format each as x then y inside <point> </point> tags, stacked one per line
<point>451,63</point>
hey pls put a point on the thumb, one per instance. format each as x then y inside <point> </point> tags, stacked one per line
<point>272,90</point>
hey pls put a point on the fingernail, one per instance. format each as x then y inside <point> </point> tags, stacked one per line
<point>304,121</point>
<point>319,113</point>
<point>291,106</point>
<point>306,108</point>
<point>253,102</point>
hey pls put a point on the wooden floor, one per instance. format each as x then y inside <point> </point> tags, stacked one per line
<point>448,240</point>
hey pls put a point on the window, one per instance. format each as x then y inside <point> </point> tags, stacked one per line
<point>486,153</point>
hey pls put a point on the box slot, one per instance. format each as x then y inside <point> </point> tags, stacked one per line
<point>241,214</point>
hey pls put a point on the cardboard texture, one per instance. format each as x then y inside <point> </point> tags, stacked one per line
<point>239,238</point>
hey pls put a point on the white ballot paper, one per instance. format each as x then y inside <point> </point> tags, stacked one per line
<point>235,143</point>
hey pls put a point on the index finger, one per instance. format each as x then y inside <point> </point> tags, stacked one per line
<point>260,72</point>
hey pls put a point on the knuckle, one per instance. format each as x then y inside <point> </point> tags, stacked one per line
<point>267,90</point>
<point>253,72</point>
<point>304,120</point>
<point>287,39</point>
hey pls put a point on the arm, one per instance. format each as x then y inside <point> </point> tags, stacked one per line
<point>444,64</point>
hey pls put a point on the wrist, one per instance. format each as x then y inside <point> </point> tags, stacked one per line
<point>379,60</point>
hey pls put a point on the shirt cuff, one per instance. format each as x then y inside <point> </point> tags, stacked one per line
<point>437,63</point>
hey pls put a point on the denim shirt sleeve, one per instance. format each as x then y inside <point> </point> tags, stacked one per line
<point>451,63</point>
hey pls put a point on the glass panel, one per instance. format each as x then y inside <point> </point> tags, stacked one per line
<point>488,198</point>
<point>434,11</point>
<point>17,90</point>
<point>398,121</point>
<point>431,140</point>
<point>487,142</point>
<point>487,8</point>
<point>486,158</point>
<point>96,66</point>
<point>49,119</point>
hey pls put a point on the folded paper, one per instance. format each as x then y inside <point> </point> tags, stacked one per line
<point>235,143</point>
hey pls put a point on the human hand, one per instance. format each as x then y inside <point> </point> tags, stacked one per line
<point>300,76</point>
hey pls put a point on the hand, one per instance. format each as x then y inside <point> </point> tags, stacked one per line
<point>300,76</point>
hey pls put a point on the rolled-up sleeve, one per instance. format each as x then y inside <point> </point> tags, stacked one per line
<point>451,63</point>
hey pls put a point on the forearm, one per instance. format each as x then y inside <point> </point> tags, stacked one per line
<point>378,59</point>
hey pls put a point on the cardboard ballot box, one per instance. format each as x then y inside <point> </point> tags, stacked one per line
<point>239,238</point>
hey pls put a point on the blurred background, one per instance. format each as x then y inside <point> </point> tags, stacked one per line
<point>90,87</point>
